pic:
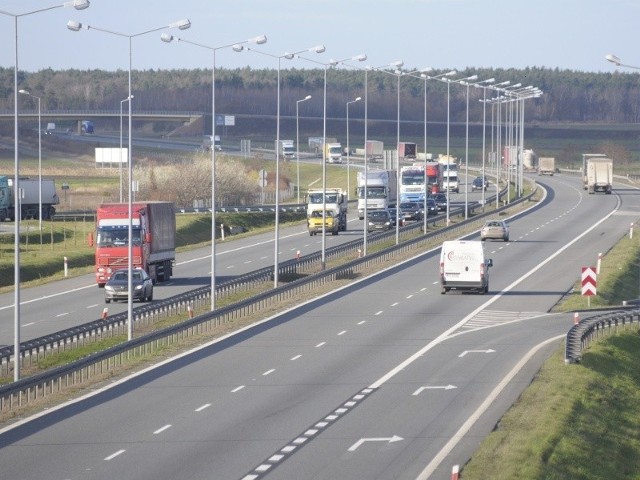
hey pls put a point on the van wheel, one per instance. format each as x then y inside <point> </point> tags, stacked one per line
<point>443,290</point>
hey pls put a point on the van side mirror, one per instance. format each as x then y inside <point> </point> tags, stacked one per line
<point>489,262</point>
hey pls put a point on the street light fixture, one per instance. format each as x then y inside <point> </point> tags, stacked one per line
<point>25,92</point>
<point>78,5</point>
<point>348,149</point>
<point>120,156</point>
<point>308,97</point>
<point>288,56</point>
<point>236,47</point>
<point>75,27</point>
<point>616,60</point>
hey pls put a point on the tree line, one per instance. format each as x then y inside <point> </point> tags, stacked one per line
<point>569,96</point>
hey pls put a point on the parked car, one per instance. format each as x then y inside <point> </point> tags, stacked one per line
<point>393,212</point>
<point>441,201</point>
<point>479,183</point>
<point>412,210</point>
<point>117,286</point>
<point>378,220</point>
<point>495,229</point>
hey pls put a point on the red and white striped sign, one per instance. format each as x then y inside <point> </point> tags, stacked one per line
<point>588,281</point>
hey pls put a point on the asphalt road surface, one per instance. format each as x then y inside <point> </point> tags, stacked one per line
<point>384,379</point>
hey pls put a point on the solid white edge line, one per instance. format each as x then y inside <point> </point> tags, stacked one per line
<point>466,426</point>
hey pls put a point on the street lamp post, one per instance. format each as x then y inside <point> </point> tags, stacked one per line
<point>25,92</point>
<point>348,149</point>
<point>331,63</point>
<point>75,27</point>
<point>276,253</point>
<point>308,97</point>
<point>236,47</point>
<point>120,156</point>
<point>78,5</point>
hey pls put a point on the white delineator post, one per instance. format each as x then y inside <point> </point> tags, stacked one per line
<point>455,471</point>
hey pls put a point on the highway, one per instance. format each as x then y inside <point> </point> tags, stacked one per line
<point>384,379</point>
<point>63,304</point>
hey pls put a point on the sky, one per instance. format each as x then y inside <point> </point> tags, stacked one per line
<point>441,34</point>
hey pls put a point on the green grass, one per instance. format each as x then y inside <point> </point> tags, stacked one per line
<point>578,421</point>
<point>43,262</point>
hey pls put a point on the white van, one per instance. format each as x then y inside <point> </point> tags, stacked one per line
<point>463,266</point>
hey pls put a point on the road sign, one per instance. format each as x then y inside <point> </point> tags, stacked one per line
<point>588,281</point>
<point>262,178</point>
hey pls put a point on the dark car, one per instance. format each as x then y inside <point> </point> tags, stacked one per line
<point>479,183</point>
<point>432,208</point>
<point>378,220</point>
<point>117,286</point>
<point>412,210</point>
<point>393,212</point>
<point>441,201</point>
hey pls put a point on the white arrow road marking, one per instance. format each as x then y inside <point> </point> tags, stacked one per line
<point>476,351</point>
<point>355,446</point>
<point>443,387</point>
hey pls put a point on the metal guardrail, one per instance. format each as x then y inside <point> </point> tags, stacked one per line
<point>582,334</point>
<point>55,380</point>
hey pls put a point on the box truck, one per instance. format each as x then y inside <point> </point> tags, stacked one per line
<point>153,239</point>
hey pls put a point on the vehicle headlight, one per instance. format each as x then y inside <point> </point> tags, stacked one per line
<point>138,287</point>
<point>108,288</point>
<point>371,223</point>
<point>387,223</point>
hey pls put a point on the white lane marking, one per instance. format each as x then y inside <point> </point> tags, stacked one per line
<point>268,372</point>
<point>114,455</point>
<point>395,304</point>
<point>162,429</point>
<point>362,322</point>
<point>342,332</point>
<point>237,389</point>
<point>466,426</point>
<point>379,313</point>
<point>296,357</point>
<point>410,296</point>
<point>423,289</point>
<point>230,266</point>
<point>45,297</point>
<point>320,344</point>
<point>263,258</point>
<point>62,314</point>
<point>29,324</point>
<point>203,407</point>
<point>92,306</point>
<point>248,261</point>
<point>444,335</point>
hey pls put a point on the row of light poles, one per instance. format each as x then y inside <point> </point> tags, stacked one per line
<point>237,46</point>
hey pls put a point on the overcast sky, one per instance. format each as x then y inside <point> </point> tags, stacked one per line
<point>564,34</point>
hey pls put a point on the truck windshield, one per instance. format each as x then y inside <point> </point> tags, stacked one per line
<point>117,236</point>
<point>412,178</point>
<point>373,192</point>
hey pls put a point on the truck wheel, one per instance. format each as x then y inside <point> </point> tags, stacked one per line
<point>334,233</point>
<point>443,290</point>
<point>106,300</point>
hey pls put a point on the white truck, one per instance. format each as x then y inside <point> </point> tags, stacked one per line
<point>449,173</point>
<point>211,141</point>
<point>381,189</point>
<point>286,150</point>
<point>335,201</point>
<point>599,175</point>
<point>585,158</point>
<point>316,143</point>
<point>333,152</point>
<point>546,166</point>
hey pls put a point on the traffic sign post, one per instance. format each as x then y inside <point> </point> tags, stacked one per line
<point>588,283</point>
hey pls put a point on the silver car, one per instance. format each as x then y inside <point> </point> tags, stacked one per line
<point>117,286</point>
<point>495,229</point>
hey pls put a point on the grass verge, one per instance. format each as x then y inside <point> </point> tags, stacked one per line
<point>571,413</point>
